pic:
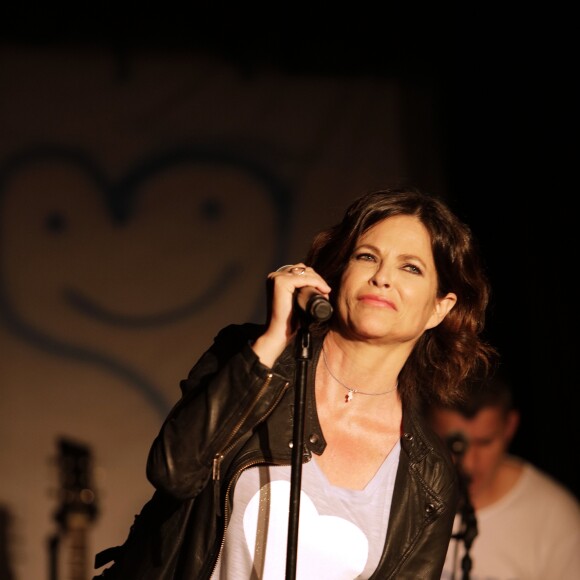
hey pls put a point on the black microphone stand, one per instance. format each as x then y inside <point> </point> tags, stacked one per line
<point>468,529</point>
<point>303,355</point>
<point>316,310</point>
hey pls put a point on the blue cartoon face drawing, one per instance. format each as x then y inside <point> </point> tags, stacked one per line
<point>139,272</point>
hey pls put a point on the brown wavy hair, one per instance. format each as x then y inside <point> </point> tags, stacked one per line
<point>448,355</point>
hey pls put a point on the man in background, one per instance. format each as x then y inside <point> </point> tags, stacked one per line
<point>515,521</point>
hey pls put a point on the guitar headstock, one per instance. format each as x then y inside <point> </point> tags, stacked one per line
<point>77,496</point>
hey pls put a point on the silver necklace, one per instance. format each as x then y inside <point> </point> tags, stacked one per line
<point>351,391</point>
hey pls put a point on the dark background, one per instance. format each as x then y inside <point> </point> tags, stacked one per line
<point>501,88</point>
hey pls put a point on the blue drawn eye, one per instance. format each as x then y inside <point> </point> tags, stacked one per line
<point>211,209</point>
<point>55,222</point>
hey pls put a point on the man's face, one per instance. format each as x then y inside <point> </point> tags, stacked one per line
<point>488,436</point>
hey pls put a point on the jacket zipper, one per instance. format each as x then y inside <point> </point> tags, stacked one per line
<point>216,468</point>
<point>218,457</point>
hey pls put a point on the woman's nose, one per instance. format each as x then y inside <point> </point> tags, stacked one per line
<point>381,276</point>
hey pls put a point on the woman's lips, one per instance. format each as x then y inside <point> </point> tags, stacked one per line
<point>379,301</point>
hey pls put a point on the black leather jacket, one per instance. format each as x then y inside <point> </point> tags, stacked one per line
<point>234,413</point>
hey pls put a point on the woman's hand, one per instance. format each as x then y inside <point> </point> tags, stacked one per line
<point>285,282</point>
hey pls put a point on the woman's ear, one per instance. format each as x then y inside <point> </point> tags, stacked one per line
<point>442,308</point>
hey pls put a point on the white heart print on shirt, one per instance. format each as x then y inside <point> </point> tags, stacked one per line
<point>328,546</point>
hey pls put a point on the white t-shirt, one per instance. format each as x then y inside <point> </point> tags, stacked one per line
<point>533,533</point>
<point>341,532</point>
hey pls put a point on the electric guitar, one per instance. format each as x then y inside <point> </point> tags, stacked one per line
<point>76,511</point>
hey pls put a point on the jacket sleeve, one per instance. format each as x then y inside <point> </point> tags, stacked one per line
<point>226,394</point>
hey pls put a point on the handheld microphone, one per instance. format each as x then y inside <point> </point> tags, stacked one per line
<point>314,304</point>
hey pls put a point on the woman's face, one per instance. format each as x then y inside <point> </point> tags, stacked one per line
<point>389,288</point>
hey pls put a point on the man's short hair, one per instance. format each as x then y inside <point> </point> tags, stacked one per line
<point>494,391</point>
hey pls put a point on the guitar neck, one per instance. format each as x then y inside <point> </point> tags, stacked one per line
<point>75,514</point>
<point>75,549</point>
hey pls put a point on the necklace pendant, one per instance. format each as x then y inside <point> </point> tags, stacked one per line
<point>348,396</point>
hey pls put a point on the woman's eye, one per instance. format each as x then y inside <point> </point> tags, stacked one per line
<point>365,257</point>
<point>412,268</point>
